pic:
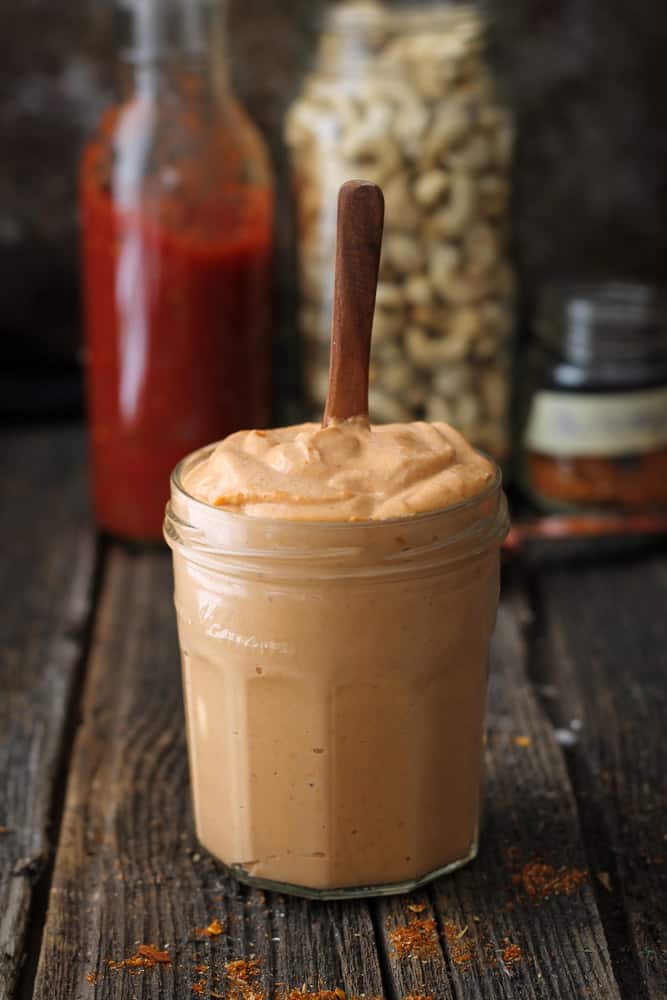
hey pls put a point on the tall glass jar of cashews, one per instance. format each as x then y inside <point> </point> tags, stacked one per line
<point>403,96</point>
<point>335,679</point>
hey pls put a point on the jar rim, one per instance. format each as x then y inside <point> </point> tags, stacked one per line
<point>200,454</point>
<point>420,15</point>
<point>363,27</point>
<point>242,545</point>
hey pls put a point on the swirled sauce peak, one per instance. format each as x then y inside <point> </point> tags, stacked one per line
<point>347,471</point>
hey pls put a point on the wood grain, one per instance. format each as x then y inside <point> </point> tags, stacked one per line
<point>358,245</point>
<point>128,867</point>
<point>530,816</point>
<point>129,870</point>
<point>46,574</point>
<point>604,667</point>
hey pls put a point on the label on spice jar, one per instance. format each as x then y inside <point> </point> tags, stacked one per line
<point>570,425</point>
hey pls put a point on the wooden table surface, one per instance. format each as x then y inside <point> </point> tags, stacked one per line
<point>97,850</point>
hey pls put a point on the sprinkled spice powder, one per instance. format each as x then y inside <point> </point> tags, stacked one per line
<point>512,954</point>
<point>214,929</point>
<point>541,881</point>
<point>147,956</point>
<point>418,996</point>
<point>242,970</point>
<point>301,994</point>
<point>458,949</point>
<point>416,940</point>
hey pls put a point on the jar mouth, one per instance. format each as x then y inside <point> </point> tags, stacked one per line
<point>361,30</point>
<point>424,15</point>
<point>189,461</point>
<point>241,545</point>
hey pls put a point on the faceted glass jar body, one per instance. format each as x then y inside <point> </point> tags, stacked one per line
<point>176,209</point>
<point>404,97</point>
<point>335,686</point>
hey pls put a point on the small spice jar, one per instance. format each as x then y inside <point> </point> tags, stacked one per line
<point>594,418</point>
<point>402,95</point>
<point>335,681</point>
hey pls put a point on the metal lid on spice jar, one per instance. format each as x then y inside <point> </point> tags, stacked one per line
<point>604,324</point>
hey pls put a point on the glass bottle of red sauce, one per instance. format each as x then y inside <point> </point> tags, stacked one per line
<point>177,206</point>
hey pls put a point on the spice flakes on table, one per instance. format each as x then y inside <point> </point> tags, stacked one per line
<point>418,939</point>
<point>457,946</point>
<point>147,956</point>
<point>301,994</point>
<point>242,970</point>
<point>214,929</point>
<point>512,954</point>
<point>540,881</point>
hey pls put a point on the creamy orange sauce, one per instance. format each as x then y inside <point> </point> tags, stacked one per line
<point>347,471</point>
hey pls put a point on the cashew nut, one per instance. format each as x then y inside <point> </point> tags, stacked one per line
<point>454,217</point>
<point>427,352</point>
<point>495,392</point>
<point>417,290</point>
<point>442,267</point>
<point>404,252</point>
<point>481,248</point>
<point>430,187</point>
<point>383,409</point>
<point>388,296</point>
<point>492,195</point>
<point>387,325</point>
<point>439,409</point>
<point>449,126</point>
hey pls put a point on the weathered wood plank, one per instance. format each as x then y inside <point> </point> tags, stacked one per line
<point>604,664</point>
<point>484,910</point>
<point>46,574</point>
<point>128,869</point>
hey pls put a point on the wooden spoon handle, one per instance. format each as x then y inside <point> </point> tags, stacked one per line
<point>358,245</point>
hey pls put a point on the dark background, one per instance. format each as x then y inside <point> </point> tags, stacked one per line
<point>587,80</point>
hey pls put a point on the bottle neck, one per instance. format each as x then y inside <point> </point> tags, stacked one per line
<point>174,45</point>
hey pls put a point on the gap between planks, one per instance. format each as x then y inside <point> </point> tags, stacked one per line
<point>531,816</point>
<point>41,890</point>
<point>45,576</point>
<point>606,668</point>
<point>129,869</point>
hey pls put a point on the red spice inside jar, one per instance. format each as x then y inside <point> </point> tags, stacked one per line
<point>636,483</point>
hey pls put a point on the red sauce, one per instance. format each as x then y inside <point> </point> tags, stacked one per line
<point>177,334</point>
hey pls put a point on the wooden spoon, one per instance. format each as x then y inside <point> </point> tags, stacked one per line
<point>358,244</point>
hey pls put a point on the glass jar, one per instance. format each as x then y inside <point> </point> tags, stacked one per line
<point>594,413</point>
<point>176,208</point>
<point>335,685</point>
<point>402,96</point>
